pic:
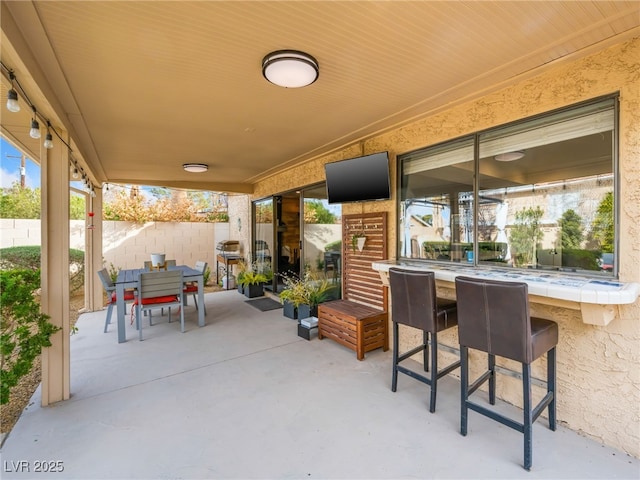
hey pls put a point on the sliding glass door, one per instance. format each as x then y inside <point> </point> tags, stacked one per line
<point>322,234</point>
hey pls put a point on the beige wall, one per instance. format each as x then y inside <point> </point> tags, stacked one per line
<point>598,367</point>
<point>128,244</point>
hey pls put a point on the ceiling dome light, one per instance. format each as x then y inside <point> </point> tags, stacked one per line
<point>290,68</point>
<point>509,156</point>
<point>195,167</point>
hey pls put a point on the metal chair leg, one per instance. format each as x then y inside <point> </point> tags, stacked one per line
<point>396,343</point>
<point>434,371</point>
<point>528,414</point>
<point>425,341</point>
<point>492,379</point>
<point>464,388</point>
<point>551,386</point>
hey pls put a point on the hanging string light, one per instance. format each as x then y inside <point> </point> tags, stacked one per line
<point>35,133</point>
<point>48,141</point>
<point>35,126</point>
<point>12,96</point>
<point>13,105</point>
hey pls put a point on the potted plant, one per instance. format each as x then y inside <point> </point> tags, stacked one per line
<point>241,268</point>
<point>301,296</point>
<point>317,290</point>
<point>357,241</point>
<point>293,295</point>
<point>253,283</point>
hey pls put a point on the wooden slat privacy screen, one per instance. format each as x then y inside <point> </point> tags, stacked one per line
<point>362,284</point>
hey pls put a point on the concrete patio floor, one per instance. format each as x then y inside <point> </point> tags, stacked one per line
<point>245,397</point>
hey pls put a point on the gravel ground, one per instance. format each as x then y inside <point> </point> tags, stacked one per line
<point>21,393</point>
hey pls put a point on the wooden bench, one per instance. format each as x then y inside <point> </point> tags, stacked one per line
<point>360,320</point>
<point>358,327</point>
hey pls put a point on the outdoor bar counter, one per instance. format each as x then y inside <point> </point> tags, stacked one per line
<point>596,299</point>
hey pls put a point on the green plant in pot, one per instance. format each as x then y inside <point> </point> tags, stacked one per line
<point>241,268</point>
<point>318,290</point>
<point>293,295</point>
<point>253,283</point>
<point>357,241</point>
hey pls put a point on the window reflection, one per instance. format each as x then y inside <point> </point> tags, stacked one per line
<point>545,195</point>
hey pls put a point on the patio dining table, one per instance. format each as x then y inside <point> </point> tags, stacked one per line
<point>129,279</point>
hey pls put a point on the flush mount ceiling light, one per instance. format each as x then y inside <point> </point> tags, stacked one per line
<point>509,156</point>
<point>195,167</point>
<point>290,68</point>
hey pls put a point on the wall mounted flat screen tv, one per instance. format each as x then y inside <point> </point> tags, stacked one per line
<point>359,179</point>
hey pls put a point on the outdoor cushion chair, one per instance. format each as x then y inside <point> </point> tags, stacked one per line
<point>110,289</point>
<point>158,290</point>
<point>191,288</point>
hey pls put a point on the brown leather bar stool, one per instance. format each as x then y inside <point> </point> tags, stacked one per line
<point>493,317</point>
<point>414,303</point>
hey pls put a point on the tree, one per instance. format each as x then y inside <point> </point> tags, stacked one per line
<point>316,212</point>
<point>525,235</point>
<point>602,229</point>
<point>571,230</point>
<point>126,206</point>
<point>25,202</point>
<point>167,205</point>
<point>19,202</point>
<point>76,207</point>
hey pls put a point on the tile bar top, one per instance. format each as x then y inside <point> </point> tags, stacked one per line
<point>579,289</point>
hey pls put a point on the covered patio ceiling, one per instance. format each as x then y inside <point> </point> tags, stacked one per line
<point>143,87</point>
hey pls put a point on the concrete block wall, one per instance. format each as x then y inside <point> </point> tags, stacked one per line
<point>128,244</point>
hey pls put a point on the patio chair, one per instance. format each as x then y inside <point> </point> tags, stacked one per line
<point>493,317</point>
<point>158,290</point>
<point>191,288</point>
<point>110,290</point>
<point>414,304</point>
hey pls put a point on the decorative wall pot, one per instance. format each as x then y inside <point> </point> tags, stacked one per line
<point>361,241</point>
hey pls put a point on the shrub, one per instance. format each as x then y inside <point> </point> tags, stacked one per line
<point>583,259</point>
<point>333,246</point>
<point>28,258</point>
<point>24,329</point>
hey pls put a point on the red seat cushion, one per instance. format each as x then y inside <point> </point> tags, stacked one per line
<point>153,300</point>
<point>128,295</point>
<point>190,289</point>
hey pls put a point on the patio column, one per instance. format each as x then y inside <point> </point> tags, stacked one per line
<point>55,269</point>
<point>93,254</point>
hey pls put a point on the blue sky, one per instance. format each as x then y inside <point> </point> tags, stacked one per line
<point>10,167</point>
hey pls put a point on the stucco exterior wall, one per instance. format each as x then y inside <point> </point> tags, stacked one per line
<point>598,367</point>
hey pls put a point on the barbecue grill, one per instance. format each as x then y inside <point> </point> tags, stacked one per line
<point>228,254</point>
<point>228,247</point>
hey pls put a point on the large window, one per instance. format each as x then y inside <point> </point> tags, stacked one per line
<point>534,194</point>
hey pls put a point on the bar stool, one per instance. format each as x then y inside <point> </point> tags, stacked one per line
<point>493,317</point>
<point>414,303</point>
